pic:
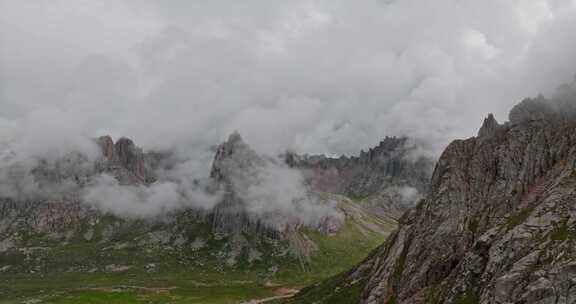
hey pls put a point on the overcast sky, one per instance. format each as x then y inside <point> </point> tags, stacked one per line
<point>314,76</point>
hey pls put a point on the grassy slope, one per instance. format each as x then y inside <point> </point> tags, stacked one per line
<point>334,288</point>
<point>189,277</point>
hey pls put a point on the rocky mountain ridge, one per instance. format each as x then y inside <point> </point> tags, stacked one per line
<point>498,225</point>
<point>391,176</point>
<point>45,231</point>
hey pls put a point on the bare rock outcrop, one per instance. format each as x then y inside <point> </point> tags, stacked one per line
<point>489,126</point>
<point>125,161</point>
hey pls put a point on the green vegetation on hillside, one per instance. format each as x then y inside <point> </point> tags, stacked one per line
<point>94,271</point>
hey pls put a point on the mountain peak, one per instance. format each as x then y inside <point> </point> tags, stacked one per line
<point>391,144</point>
<point>125,141</point>
<point>232,154</point>
<point>235,137</point>
<point>231,145</point>
<point>490,125</point>
<point>124,154</point>
<point>531,109</point>
<point>107,145</point>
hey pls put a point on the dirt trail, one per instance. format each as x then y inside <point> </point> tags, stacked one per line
<point>281,293</point>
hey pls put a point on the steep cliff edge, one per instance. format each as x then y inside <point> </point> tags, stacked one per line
<point>498,226</point>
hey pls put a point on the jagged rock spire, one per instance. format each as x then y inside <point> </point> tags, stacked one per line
<point>107,145</point>
<point>129,155</point>
<point>232,155</point>
<point>124,160</point>
<point>489,126</point>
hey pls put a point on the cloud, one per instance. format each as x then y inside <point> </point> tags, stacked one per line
<point>409,195</point>
<point>276,195</point>
<point>44,157</point>
<point>29,178</point>
<point>312,76</point>
<point>194,190</point>
<point>106,194</point>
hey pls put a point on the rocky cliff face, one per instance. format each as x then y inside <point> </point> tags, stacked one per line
<point>499,223</point>
<point>125,161</point>
<point>235,162</point>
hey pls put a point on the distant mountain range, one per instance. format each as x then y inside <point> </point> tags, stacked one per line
<point>334,203</point>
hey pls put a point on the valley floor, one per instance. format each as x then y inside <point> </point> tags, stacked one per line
<point>187,287</point>
<point>133,288</point>
<point>116,270</point>
<point>207,284</point>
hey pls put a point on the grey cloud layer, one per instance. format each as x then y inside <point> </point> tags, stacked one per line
<point>313,76</point>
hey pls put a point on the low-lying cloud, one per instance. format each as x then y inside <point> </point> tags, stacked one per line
<point>30,171</point>
<point>276,194</point>
<point>408,195</point>
<point>128,200</point>
<point>265,188</point>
